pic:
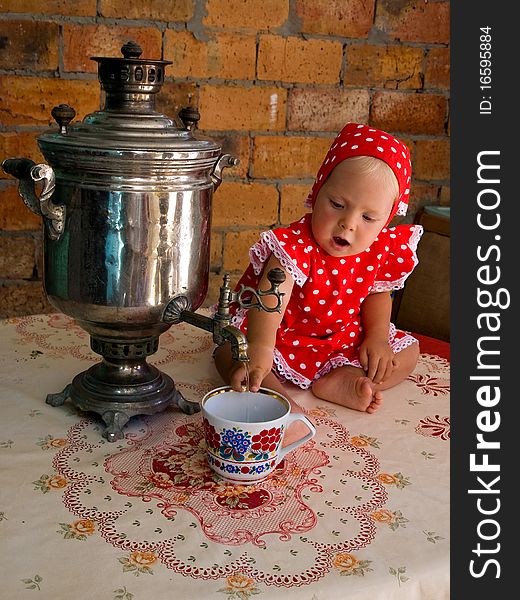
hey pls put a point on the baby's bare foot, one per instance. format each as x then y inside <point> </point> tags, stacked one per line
<point>363,396</point>
<point>349,387</point>
<point>360,394</point>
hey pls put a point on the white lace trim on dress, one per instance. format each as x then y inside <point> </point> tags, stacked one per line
<point>267,245</point>
<point>388,286</point>
<point>417,232</point>
<point>403,343</point>
<point>238,318</point>
<point>289,374</point>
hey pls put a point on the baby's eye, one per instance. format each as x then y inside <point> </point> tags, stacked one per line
<point>368,218</point>
<point>337,205</point>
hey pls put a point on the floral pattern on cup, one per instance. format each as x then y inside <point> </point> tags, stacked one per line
<point>227,469</point>
<point>239,445</point>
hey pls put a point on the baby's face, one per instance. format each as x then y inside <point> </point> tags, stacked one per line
<point>350,210</point>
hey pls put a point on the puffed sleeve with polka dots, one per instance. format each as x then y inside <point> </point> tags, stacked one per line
<point>291,245</point>
<point>400,259</point>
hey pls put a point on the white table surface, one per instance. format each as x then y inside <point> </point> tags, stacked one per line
<point>360,512</point>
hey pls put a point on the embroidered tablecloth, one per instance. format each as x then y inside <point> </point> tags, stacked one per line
<point>361,511</point>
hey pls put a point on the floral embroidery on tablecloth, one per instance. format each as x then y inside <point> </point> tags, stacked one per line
<point>46,483</point>
<point>430,385</point>
<point>348,564</point>
<point>138,562</point>
<point>78,530</point>
<point>51,443</point>
<point>399,574</point>
<point>182,343</point>
<point>61,321</point>
<point>362,440</point>
<point>322,411</point>
<point>434,363</point>
<point>397,479</point>
<point>435,426</point>
<point>394,519</point>
<point>57,334</point>
<point>432,537</point>
<point>240,586</point>
<point>32,583</point>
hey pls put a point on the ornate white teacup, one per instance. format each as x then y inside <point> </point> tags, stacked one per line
<point>244,432</point>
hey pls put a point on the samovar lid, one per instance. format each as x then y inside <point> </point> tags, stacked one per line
<point>128,120</point>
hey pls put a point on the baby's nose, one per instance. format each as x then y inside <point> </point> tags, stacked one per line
<point>347,222</point>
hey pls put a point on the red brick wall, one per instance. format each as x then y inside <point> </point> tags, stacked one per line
<point>274,81</point>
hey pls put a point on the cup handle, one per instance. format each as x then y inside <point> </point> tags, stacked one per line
<point>312,433</point>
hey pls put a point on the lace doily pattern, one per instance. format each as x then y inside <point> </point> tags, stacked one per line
<point>160,469</point>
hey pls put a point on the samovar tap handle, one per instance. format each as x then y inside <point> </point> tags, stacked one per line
<point>28,174</point>
<point>254,297</point>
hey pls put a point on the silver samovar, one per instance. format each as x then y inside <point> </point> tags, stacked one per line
<point>126,207</point>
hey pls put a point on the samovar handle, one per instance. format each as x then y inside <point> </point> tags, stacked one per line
<point>30,173</point>
<point>225,160</point>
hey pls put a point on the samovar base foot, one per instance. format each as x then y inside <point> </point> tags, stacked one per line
<point>115,421</point>
<point>59,398</point>
<point>187,407</point>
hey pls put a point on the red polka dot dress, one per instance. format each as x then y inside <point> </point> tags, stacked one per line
<point>321,328</point>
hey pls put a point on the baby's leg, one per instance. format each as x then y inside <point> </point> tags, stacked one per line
<point>350,387</point>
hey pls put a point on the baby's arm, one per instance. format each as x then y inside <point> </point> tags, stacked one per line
<point>375,354</point>
<point>261,332</point>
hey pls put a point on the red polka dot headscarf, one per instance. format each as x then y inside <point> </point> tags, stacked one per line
<point>361,140</point>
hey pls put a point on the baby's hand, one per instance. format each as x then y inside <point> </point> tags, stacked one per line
<point>377,359</point>
<point>259,366</point>
<point>238,376</point>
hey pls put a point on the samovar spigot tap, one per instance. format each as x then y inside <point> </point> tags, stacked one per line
<point>220,324</point>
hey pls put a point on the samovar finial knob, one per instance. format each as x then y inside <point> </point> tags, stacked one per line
<point>63,115</point>
<point>190,116</point>
<point>131,50</point>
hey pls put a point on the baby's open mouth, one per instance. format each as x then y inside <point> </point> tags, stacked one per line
<point>340,241</point>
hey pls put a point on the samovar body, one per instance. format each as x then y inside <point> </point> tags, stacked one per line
<point>128,247</point>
